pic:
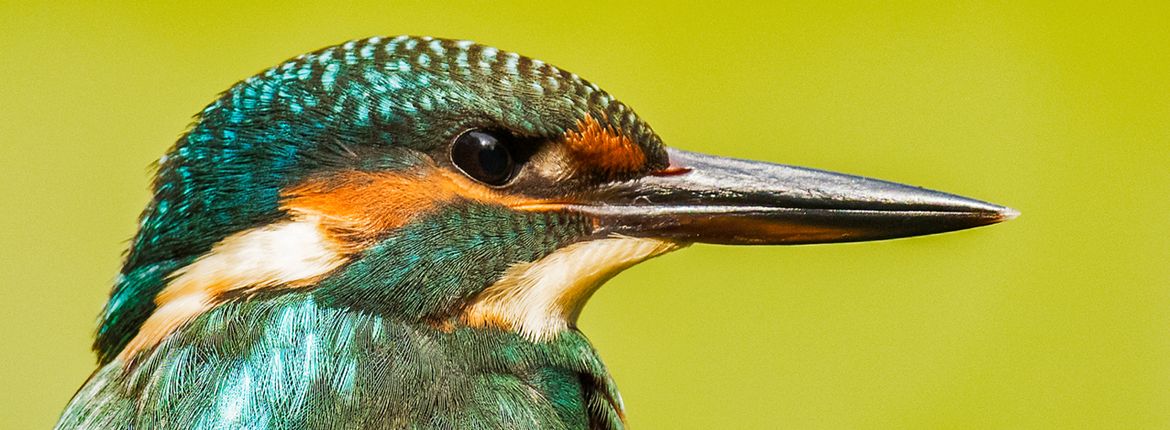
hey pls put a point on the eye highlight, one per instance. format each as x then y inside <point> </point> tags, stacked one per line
<point>483,156</point>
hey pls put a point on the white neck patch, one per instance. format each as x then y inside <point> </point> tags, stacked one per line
<point>540,299</point>
<point>286,254</point>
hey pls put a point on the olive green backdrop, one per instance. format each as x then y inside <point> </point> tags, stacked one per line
<point>1059,319</point>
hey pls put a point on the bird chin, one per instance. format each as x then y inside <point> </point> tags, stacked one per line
<point>542,298</point>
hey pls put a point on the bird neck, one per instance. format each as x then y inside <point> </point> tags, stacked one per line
<point>293,356</point>
<point>300,321</point>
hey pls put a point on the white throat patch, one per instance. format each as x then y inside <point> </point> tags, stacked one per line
<point>540,299</point>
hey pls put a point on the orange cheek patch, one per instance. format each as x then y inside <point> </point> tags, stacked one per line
<point>600,147</point>
<point>358,206</point>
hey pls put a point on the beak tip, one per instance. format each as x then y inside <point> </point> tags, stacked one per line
<point>1008,214</point>
<point>990,213</point>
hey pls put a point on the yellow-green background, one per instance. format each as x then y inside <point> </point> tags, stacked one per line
<point>1060,319</point>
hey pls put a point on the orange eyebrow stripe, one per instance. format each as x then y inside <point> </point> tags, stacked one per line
<point>601,147</point>
<point>363,204</point>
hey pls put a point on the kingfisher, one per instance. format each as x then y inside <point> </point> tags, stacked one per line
<point>400,233</point>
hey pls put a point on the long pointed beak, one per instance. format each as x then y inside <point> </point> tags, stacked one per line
<point>703,198</point>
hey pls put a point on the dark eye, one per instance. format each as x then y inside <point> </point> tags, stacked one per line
<point>483,156</point>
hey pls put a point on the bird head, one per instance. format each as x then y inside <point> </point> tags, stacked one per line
<point>454,184</point>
